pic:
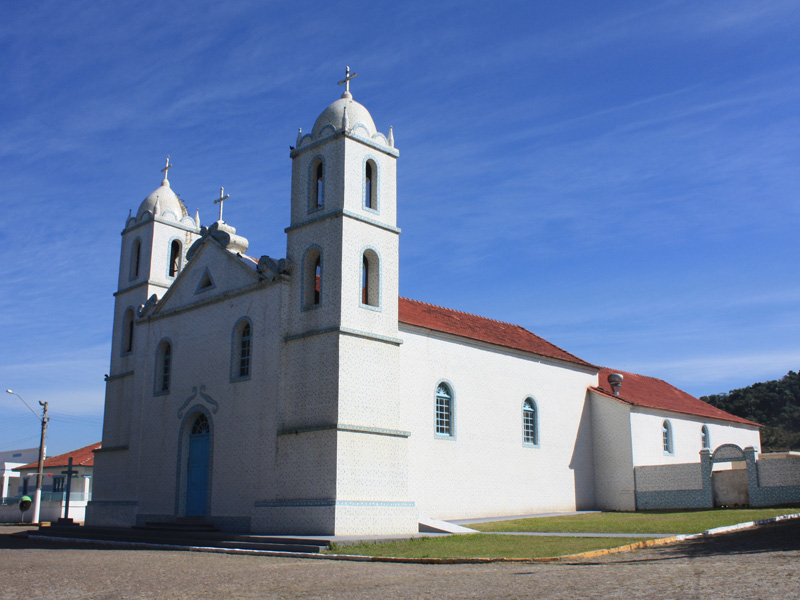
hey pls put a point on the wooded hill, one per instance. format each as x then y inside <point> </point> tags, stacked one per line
<point>774,404</point>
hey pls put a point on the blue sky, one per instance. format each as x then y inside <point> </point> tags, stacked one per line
<point>620,177</point>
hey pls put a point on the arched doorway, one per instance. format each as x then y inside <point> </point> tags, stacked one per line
<point>729,486</point>
<point>197,476</point>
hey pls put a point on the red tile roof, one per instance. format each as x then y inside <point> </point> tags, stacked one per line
<point>649,392</point>
<point>82,457</point>
<point>446,320</point>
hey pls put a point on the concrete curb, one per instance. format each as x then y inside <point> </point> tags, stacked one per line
<point>430,561</point>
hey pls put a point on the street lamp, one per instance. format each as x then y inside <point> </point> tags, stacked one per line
<point>37,499</point>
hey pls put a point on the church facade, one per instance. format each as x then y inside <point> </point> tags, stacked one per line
<point>302,395</point>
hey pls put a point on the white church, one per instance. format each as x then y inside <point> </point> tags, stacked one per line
<point>301,395</point>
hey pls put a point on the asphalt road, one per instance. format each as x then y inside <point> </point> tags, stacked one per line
<point>756,563</point>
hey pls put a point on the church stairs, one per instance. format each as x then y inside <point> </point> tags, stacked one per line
<point>161,534</point>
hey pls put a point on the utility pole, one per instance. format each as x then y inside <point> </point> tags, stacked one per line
<point>37,501</point>
<point>37,498</point>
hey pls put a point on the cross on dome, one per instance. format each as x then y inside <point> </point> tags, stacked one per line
<point>346,82</point>
<point>165,170</point>
<point>220,200</point>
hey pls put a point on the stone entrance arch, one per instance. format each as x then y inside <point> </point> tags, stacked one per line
<point>729,487</point>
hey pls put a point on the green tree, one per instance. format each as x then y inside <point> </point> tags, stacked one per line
<point>773,404</point>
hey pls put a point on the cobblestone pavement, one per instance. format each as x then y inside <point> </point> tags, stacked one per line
<point>756,563</point>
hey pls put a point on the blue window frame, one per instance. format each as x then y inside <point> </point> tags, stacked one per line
<point>705,438</point>
<point>136,257</point>
<point>530,423</point>
<point>163,367</point>
<point>666,436</point>
<point>444,411</point>
<point>242,350</point>
<point>127,332</point>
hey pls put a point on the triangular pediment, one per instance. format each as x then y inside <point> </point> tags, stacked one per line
<point>212,272</point>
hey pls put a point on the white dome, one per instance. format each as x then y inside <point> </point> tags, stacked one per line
<point>357,115</point>
<point>167,201</point>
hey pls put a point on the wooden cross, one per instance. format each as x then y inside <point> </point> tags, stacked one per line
<point>346,80</point>
<point>69,473</point>
<point>220,200</point>
<point>167,168</point>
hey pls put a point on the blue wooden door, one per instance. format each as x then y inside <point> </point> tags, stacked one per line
<point>197,479</point>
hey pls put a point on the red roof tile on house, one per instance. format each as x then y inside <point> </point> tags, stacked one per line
<point>445,320</point>
<point>82,457</point>
<point>650,392</point>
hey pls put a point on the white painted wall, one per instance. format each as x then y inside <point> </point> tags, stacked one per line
<point>647,440</point>
<point>613,458</point>
<point>485,470</point>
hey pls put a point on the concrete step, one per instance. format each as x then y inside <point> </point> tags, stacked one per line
<point>179,525</point>
<point>210,539</point>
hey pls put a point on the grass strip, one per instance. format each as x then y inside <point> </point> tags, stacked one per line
<point>694,521</point>
<point>481,545</point>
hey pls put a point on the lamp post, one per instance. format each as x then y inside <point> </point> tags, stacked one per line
<point>37,499</point>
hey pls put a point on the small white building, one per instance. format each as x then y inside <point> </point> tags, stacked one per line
<point>9,460</point>
<point>302,395</point>
<point>54,483</point>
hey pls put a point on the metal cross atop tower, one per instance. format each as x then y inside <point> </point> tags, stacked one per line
<point>346,80</point>
<point>166,169</point>
<point>222,197</point>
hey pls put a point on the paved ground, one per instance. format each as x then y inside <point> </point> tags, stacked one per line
<point>757,563</point>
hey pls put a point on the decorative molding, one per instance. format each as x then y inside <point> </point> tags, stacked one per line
<point>347,428</point>
<point>103,449</point>
<point>391,151</point>
<point>342,213</point>
<point>271,269</point>
<point>205,288</point>
<point>147,306</point>
<point>170,222</point>
<point>214,404</point>
<point>113,502</point>
<point>220,298</point>
<point>345,331</point>
<point>140,284</point>
<point>118,376</point>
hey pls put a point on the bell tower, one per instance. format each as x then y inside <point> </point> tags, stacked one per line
<point>154,244</point>
<point>340,420</point>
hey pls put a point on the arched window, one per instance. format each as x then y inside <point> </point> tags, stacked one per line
<point>317,279</point>
<point>312,278</point>
<point>370,278</point>
<point>370,185</point>
<point>127,331</point>
<point>705,438</point>
<point>163,367</point>
<point>317,185</point>
<point>241,360</point>
<point>174,258</point>
<point>136,255</point>
<point>201,425</point>
<point>530,423</point>
<point>444,410</point>
<point>666,435</point>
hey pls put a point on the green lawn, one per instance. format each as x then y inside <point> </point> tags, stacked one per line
<point>694,521</point>
<point>484,546</point>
